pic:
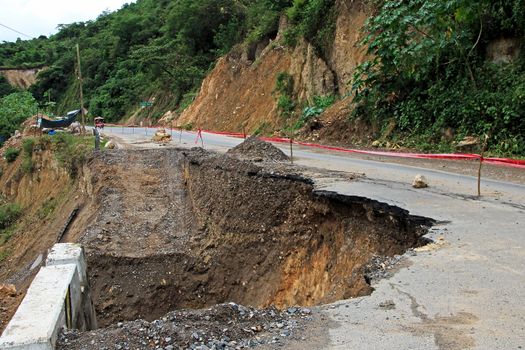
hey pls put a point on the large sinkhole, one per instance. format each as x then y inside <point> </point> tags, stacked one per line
<point>240,232</point>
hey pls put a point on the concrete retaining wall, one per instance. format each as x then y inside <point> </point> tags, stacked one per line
<point>58,297</point>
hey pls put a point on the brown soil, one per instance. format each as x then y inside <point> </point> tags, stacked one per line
<point>238,94</point>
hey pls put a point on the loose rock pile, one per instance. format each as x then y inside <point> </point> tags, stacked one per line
<point>255,149</point>
<point>224,326</point>
<point>162,136</point>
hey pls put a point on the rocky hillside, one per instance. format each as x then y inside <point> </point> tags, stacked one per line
<point>241,91</point>
<point>336,71</point>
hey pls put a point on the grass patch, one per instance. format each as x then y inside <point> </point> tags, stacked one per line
<point>4,255</point>
<point>11,154</point>
<point>28,145</point>
<point>9,213</point>
<point>71,151</point>
<point>6,234</point>
<point>47,208</point>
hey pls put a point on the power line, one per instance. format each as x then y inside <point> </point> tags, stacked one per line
<point>16,31</point>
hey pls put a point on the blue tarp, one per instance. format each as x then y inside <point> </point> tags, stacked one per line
<point>59,123</point>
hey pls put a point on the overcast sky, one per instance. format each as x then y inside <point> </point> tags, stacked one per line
<point>41,17</point>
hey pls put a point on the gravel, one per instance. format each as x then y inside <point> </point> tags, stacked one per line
<point>224,326</point>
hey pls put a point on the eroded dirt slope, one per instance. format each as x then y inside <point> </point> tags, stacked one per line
<point>175,229</point>
<point>47,197</point>
<point>21,78</point>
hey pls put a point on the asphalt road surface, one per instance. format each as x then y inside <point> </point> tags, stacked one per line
<point>465,292</point>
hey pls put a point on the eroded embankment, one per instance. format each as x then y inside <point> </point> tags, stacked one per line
<point>254,234</point>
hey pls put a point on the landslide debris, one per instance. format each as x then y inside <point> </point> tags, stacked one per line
<point>178,229</point>
<point>224,326</point>
<point>170,229</point>
<point>254,148</point>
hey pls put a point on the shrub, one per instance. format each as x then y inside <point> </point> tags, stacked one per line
<point>321,103</point>
<point>27,165</point>
<point>11,154</point>
<point>71,151</point>
<point>9,213</point>
<point>284,86</point>
<point>4,255</point>
<point>47,208</point>
<point>27,146</point>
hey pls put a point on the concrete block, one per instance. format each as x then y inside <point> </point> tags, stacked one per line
<point>44,310</point>
<point>69,253</point>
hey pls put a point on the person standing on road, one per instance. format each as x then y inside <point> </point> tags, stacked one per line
<point>96,133</point>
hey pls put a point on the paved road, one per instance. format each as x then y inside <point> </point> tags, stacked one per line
<point>469,292</point>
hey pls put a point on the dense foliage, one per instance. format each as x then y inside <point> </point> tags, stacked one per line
<point>145,49</point>
<point>5,87</point>
<point>429,71</point>
<point>155,48</point>
<point>14,109</point>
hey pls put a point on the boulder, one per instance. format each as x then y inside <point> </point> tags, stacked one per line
<point>420,182</point>
<point>161,136</point>
<point>468,144</point>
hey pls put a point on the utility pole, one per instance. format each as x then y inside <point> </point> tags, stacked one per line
<point>81,92</point>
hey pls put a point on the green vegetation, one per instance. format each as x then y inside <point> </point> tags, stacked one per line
<point>27,166</point>
<point>11,154</point>
<point>9,214</point>
<point>70,151</point>
<point>429,72</point>
<point>313,20</point>
<point>47,208</point>
<point>5,87</point>
<point>4,255</point>
<point>321,103</point>
<point>15,109</point>
<point>284,90</point>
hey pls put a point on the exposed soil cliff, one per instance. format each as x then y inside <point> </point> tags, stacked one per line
<point>47,196</point>
<point>239,94</point>
<point>21,78</point>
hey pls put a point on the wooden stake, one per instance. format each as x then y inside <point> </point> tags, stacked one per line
<point>81,92</point>
<point>291,150</point>
<point>483,149</point>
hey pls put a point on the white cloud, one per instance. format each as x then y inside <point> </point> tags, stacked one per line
<point>41,17</point>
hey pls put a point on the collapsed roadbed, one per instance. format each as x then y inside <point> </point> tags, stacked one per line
<point>189,229</point>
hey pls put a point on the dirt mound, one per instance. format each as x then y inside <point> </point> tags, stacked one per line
<point>255,148</point>
<point>225,326</point>
<point>10,298</point>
